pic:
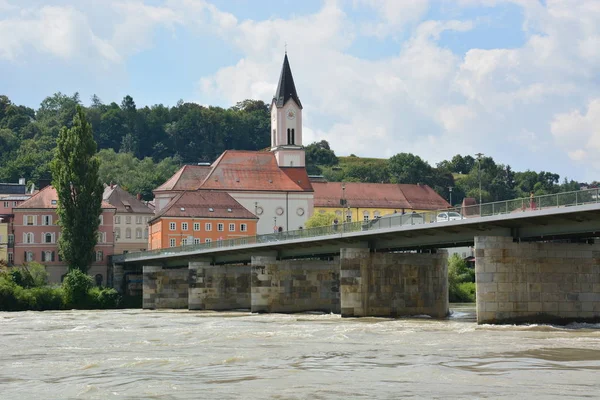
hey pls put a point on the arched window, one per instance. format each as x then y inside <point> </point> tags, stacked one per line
<point>48,238</point>
<point>289,136</point>
<point>117,233</point>
<point>138,233</point>
<point>293,137</point>
<point>28,238</point>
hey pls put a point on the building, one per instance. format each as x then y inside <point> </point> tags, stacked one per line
<point>130,220</point>
<point>11,195</point>
<point>36,236</point>
<point>366,201</point>
<point>273,185</point>
<point>194,217</point>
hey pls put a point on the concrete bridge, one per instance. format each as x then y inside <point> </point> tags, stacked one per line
<point>535,261</point>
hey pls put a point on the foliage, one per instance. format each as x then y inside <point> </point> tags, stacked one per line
<point>75,178</point>
<point>319,154</point>
<point>319,219</point>
<point>460,279</point>
<point>76,286</point>
<point>103,298</point>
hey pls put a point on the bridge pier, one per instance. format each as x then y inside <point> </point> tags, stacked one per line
<point>165,288</point>
<point>118,272</point>
<point>393,284</point>
<point>287,286</point>
<point>218,287</point>
<point>536,282</point>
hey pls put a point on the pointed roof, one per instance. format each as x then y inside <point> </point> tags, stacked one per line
<point>286,89</point>
<point>48,198</point>
<point>188,177</point>
<point>204,204</point>
<point>124,201</point>
<point>255,171</point>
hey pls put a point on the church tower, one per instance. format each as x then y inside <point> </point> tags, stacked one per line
<point>286,121</point>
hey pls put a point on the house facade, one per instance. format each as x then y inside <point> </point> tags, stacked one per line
<point>36,234</point>
<point>272,185</point>
<point>11,196</point>
<point>354,201</point>
<point>197,217</point>
<point>130,221</point>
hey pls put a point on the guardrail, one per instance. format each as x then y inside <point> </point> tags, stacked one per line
<point>528,204</point>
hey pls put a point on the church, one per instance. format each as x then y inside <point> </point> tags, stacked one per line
<point>273,185</point>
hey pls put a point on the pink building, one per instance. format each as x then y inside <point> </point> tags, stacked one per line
<point>36,235</point>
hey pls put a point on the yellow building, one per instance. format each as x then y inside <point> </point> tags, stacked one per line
<point>364,201</point>
<point>3,241</point>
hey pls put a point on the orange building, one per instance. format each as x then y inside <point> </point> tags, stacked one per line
<point>194,217</point>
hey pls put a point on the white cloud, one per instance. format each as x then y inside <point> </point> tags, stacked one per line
<point>579,133</point>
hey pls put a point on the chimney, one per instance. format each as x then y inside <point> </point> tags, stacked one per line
<point>21,181</point>
<point>139,196</point>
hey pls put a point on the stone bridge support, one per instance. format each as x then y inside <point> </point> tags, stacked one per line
<point>393,284</point>
<point>288,286</point>
<point>165,288</point>
<point>536,282</point>
<point>117,278</point>
<point>218,287</point>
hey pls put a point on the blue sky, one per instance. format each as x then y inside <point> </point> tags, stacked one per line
<point>514,79</point>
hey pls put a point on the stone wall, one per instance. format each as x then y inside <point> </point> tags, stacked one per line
<point>393,284</point>
<point>218,287</point>
<point>165,288</point>
<point>295,285</point>
<point>536,282</point>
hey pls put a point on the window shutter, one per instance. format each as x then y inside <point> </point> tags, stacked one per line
<point>43,256</point>
<point>24,256</point>
<point>52,256</point>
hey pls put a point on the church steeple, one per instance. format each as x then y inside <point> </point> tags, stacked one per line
<point>286,121</point>
<point>286,89</point>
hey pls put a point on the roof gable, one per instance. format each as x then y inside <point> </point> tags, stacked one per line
<point>188,177</point>
<point>48,198</point>
<point>124,201</point>
<point>204,204</point>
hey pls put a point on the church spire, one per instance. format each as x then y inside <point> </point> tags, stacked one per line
<point>286,89</point>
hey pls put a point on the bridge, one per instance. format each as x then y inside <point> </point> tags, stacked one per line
<point>394,266</point>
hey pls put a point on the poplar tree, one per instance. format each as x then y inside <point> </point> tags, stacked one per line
<point>75,178</point>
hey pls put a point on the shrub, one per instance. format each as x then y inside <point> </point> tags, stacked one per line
<point>104,298</point>
<point>461,280</point>
<point>76,286</point>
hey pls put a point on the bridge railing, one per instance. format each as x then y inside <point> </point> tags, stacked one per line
<point>528,204</point>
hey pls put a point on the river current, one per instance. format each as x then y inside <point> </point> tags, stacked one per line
<point>139,354</point>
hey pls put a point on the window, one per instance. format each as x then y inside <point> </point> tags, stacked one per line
<point>11,238</point>
<point>138,220</point>
<point>128,219</point>
<point>101,219</point>
<point>220,227</point>
<point>47,220</point>
<point>11,258</point>
<point>128,233</point>
<point>366,218</point>
<point>196,241</point>
<point>101,237</point>
<point>48,256</point>
<point>6,204</point>
<point>99,255</point>
<point>207,240</point>
<point>146,219</point>
<point>184,226</point>
<point>28,238</point>
<point>48,238</point>
<point>117,219</point>
<point>138,233</point>
<point>117,233</point>
<point>348,218</point>
<point>29,220</point>
<point>29,256</point>
<point>172,242</point>
<point>145,233</point>
<point>208,227</point>
<point>53,202</point>
<point>231,227</point>
<point>243,227</point>
<point>184,242</point>
<point>171,226</point>
<point>98,278</point>
<point>196,226</point>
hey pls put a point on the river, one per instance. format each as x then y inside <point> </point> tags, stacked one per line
<point>127,354</point>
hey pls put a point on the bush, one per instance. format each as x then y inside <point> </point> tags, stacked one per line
<point>76,286</point>
<point>463,293</point>
<point>104,298</point>
<point>17,298</point>
<point>461,280</point>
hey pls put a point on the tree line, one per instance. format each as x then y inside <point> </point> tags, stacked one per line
<point>141,147</point>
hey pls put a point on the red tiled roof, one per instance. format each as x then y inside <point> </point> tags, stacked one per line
<point>378,195</point>
<point>43,199</point>
<point>197,204</point>
<point>188,177</point>
<point>250,170</point>
<point>299,176</point>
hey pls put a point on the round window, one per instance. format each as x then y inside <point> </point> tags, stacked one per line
<point>300,211</point>
<point>279,210</point>
<point>259,210</point>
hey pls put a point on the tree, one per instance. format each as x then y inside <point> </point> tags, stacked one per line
<point>75,178</point>
<point>408,168</point>
<point>319,219</point>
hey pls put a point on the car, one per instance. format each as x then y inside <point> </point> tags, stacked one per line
<point>448,216</point>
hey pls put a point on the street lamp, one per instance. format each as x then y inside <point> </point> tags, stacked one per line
<point>450,190</point>
<point>275,224</point>
<point>479,177</point>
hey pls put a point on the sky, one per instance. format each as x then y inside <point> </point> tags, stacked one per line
<point>517,80</point>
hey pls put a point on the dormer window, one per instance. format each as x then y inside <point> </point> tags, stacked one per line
<point>53,202</point>
<point>211,209</point>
